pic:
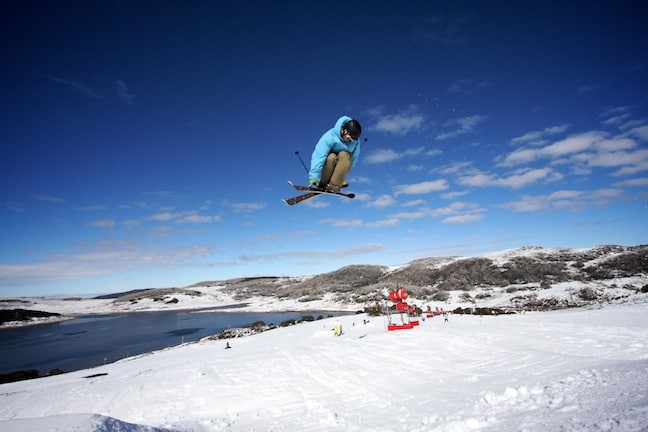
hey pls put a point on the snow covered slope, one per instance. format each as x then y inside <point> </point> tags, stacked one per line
<point>570,370</point>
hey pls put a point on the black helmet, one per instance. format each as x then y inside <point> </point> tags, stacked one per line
<point>354,129</point>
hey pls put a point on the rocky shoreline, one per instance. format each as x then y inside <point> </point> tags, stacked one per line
<point>22,316</point>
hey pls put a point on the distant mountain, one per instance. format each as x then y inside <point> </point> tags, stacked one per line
<point>525,278</point>
<point>121,294</point>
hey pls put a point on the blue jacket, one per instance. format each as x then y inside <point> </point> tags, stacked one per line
<point>331,142</point>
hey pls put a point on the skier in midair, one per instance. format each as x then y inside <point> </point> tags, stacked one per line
<point>336,152</point>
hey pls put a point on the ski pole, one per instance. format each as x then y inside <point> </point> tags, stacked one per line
<point>301,160</point>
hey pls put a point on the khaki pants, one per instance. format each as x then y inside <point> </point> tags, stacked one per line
<point>335,169</point>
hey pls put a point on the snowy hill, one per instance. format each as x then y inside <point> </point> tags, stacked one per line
<point>521,279</point>
<point>528,278</point>
<point>573,370</point>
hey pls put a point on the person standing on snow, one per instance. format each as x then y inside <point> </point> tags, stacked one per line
<point>335,154</point>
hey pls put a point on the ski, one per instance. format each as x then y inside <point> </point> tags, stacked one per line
<point>319,191</point>
<point>312,192</point>
<point>300,198</point>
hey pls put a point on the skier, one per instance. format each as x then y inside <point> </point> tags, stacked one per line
<point>337,330</point>
<point>335,154</point>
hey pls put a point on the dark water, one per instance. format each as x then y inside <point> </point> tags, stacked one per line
<point>93,340</point>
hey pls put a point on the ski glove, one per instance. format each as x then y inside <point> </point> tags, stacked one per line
<point>312,182</point>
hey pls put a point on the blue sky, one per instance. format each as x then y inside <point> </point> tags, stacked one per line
<point>148,144</point>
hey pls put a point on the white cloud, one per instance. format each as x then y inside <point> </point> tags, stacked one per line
<point>478,179</point>
<point>132,223</point>
<point>382,156</point>
<point>383,201</point>
<point>584,151</point>
<point>15,206</point>
<point>527,177</point>
<point>362,249</point>
<point>453,195</point>
<point>456,212</point>
<point>638,167</point>
<point>587,88</point>
<point>359,179</point>
<point>466,86</point>
<point>163,217</point>
<point>455,167</point>
<point>640,132</point>
<point>455,208</point>
<point>567,146</point>
<point>573,144</point>
<point>616,144</point>
<point>124,93</point>
<point>421,188</point>
<point>616,116</point>
<point>343,223</point>
<point>461,126</point>
<point>460,212</point>
<point>440,29</point>
<point>413,203</point>
<point>320,203</point>
<point>247,207</point>
<point>419,214</point>
<point>465,218</point>
<point>103,223</point>
<point>569,199</point>
<point>400,124</point>
<point>101,258</point>
<point>518,179</point>
<point>390,222</point>
<point>48,198</point>
<point>535,136</point>
<point>196,218</point>
<point>390,155</point>
<point>82,89</point>
<point>638,182</point>
<point>414,151</point>
<point>183,217</point>
<point>618,158</point>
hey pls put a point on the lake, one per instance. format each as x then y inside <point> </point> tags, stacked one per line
<point>93,340</point>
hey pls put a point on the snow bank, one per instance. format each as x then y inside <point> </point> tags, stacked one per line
<point>571,370</point>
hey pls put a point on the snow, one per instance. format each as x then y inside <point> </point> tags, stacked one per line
<point>571,370</point>
<point>208,302</point>
<point>504,256</point>
<point>210,298</point>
